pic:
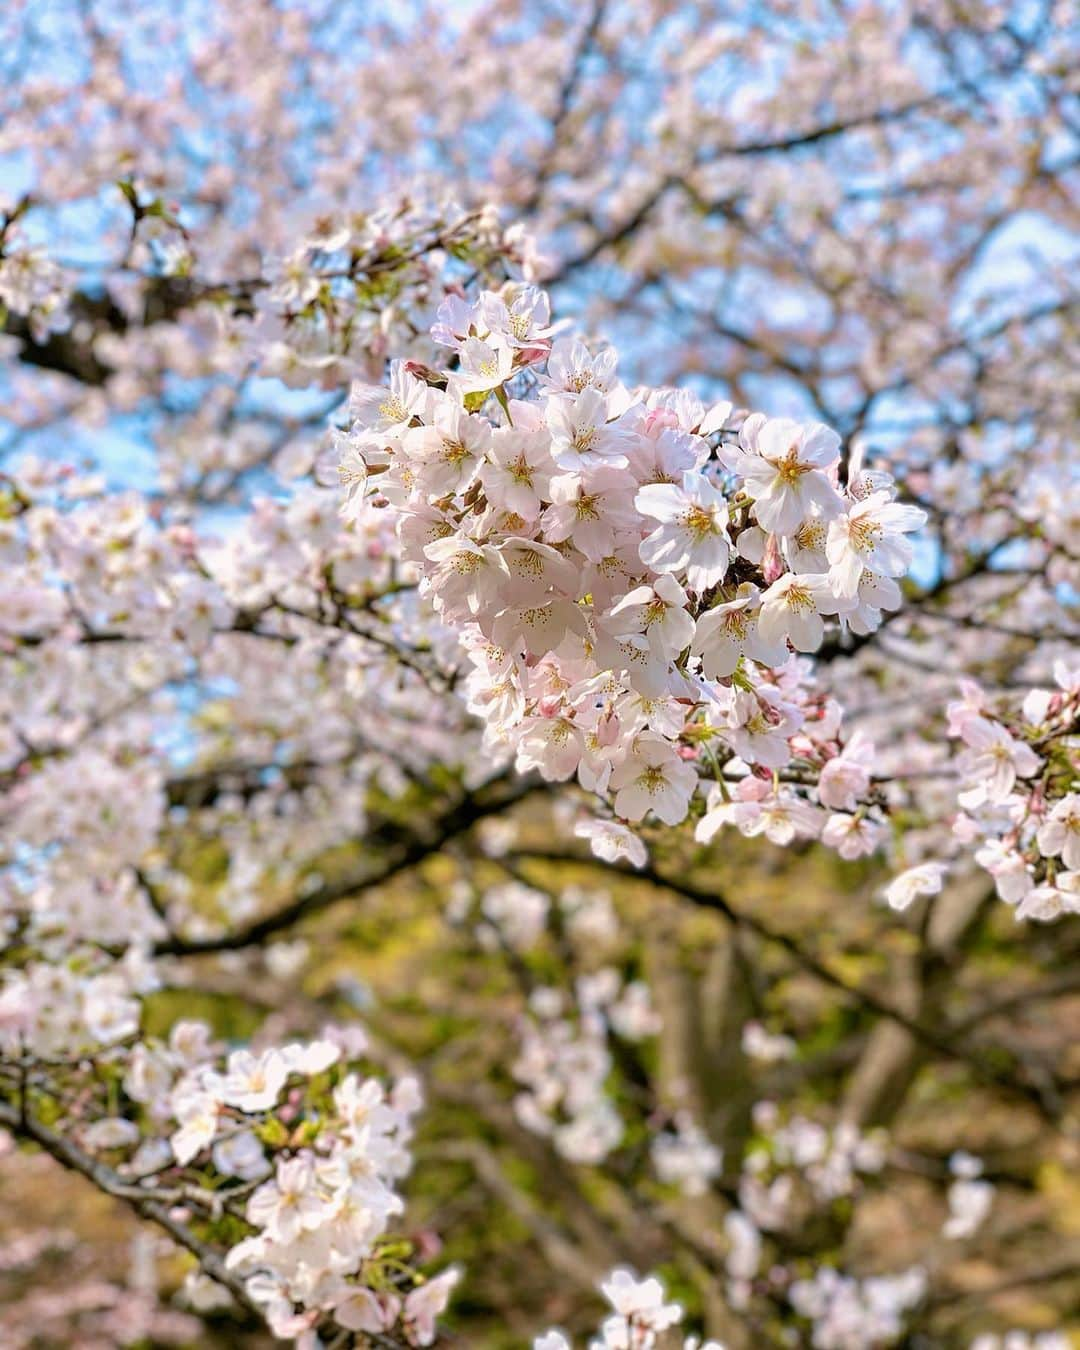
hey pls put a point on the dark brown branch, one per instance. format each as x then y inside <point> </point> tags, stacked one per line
<point>69,1155</point>
<point>567,89</point>
<point>404,853</point>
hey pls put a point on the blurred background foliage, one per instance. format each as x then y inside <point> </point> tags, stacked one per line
<point>807,956</point>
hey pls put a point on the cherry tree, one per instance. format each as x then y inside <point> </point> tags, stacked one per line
<point>464,473</point>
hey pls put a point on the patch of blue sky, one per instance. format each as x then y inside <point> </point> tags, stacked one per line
<point>122,451</point>
<point>16,175</point>
<point>175,739</point>
<point>926,558</point>
<point>82,235</point>
<point>1024,261</point>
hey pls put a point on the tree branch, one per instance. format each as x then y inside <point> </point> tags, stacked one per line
<point>496,795</point>
<point>69,1155</point>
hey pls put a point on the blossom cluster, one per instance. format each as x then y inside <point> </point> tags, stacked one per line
<point>291,1143</point>
<point>73,1007</point>
<point>353,287</point>
<point>105,613</point>
<point>564,1062</point>
<point>685,1156</point>
<point>319,1216</point>
<point>629,572</point>
<point>640,1318</point>
<point>800,1152</point>
<point>792,1168</point>
<point>850,1314</point>
<point>566,1054</point>
<point>564,1037</point>
<point>1019,792</point>
<point>34,287</point>
<point>844,1313</point>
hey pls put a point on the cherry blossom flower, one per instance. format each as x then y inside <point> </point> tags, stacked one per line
<point>729,631</point>
<point>640,1302</point>
<point>759,726</point>
<point>781,462</point>
<point>518,471</point>
<point>658,613</point>
<point>845,779</point>
<point>995,762</point>
<point>197,1113</point>
<point>241,1155</point>
<point>582,434</point>
<point>449,450</point>
<point>1059,835</point>
<point>869,537</point>
<point>692,538</point>
<point>289,1203</point>
<point>385,413</point>
<point>853,836</point>
<point>611,841</point>
<point>653,778</point>
<point>521,318</point>
<point>793,607</point>
<point>484,364</point>
<point>254,1083</point>
<point>424,1305</point>
<point>924,879</point>
<point>572,367</point>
